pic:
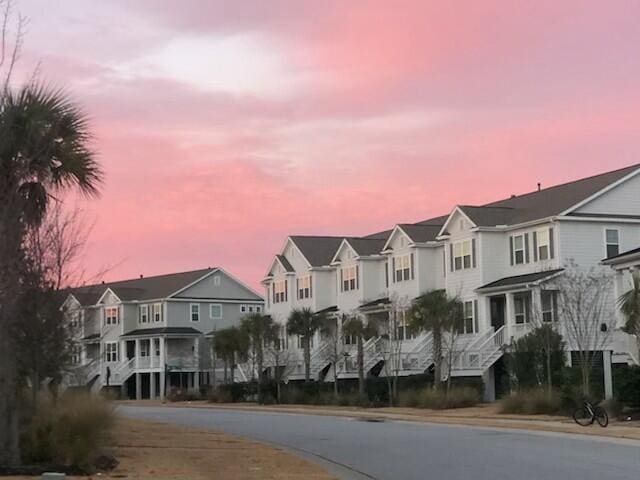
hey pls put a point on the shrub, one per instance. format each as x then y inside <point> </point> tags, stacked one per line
<point>626,385</point>
<point>532,402</point>
<point>457,397</point>
<point>409,398</point>
<point>613,406</point>
<point>70,432</point>
<point>218,395</point>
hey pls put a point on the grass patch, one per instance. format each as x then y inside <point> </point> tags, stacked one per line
<point>457,397</point>
<point>532,402</point>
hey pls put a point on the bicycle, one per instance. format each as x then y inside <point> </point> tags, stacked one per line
<point>587,414</point>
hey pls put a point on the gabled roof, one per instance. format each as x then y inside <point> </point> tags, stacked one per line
<point>520,280</point>
<point>145,288</point>
<point>285,263</point>
<point>622,257</point>
<point>318,250</point>
<point>366,246</point>
<point>420,233</point>
<point>544,203</point>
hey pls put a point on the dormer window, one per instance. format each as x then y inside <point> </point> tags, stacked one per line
<point>304,287</point>
<point>111,316</point>
<point>280,291</point>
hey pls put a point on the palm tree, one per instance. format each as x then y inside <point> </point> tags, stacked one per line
<point>304,323</point>
<point>629,304</point>
<point>356,327</point>
<point>232,344</point>
<point>261,331</point>
<point>44,151</point>
<point>434,311</point>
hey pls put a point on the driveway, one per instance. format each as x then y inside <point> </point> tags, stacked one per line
<point>356,449</point>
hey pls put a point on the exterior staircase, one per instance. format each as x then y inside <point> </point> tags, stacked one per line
<point>480,355</point>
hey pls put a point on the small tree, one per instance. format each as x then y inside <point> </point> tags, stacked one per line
<point>434,311</point>
<point>260,330</point>
<point>232,344</point>
<point>629,304</point>
<point>304,323</point>
<point>584,301</point>
<point>279,354</point>
<point>330,332</point>
<point>452,350</point>
<point>357,327</point>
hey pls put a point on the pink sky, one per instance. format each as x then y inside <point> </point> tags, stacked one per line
<point>225,126</point>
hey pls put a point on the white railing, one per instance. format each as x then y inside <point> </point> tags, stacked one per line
<point>122,371</point>
<point>484,354</point>
<point>371,353</point>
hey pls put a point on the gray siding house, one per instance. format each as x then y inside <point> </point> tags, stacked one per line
<point>147,335</point>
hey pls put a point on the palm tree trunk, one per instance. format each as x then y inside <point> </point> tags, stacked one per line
<point>260,360</point>
<point>9,451</point>
<point>437,358</point>
<point>307,358</point>
<point>360,354</point>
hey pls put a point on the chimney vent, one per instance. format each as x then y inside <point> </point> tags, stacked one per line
<point>539,186</point>
<point>513,196</point>
<point>141,276</point>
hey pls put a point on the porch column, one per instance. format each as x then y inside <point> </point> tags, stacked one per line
<point>152,386</point>
<point>508,316</point>
<point>608,380</point>
<point>163,368</point>
<point>138,385</point>
<point>162,384</point>
<point>136,353</point>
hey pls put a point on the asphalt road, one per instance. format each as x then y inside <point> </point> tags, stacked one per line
<point>355,449</point>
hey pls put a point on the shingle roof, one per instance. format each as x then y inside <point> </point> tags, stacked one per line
<point>543,203</point>
<point>421,232</point>
<point>318,250</point>
<point>521,279</point>
<point>145,288</point>
<point>366,246</point>
<point>285,263</point>
<point>621,257</point>
<point>163,331</point>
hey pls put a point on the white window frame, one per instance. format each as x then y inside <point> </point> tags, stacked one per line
<point>526,313</point>
<point>304,287</point>
<point>157,312</point>
<point>196,312</point>
<point>607,243</point>
<point>111,315</point>
<point>549,312</point>
<point>461,251</point>
<point>468,315</point>
<point>279,291</point>
<point>243,308</point>
<point>143,313</point>
<point>543,246</point>
<point>402,271</point>
<point>403,332</point>
<point>110,355</point>
<point>301,345</point>
<point>145,348</point>
<point>349,278</point>
<point>520,249</point>
<point>211,307</point>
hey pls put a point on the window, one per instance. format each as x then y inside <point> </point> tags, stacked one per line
<point>518,249</point>
<point>304,287</point>
<point>403,331</point>
<point>349,278</point>
<point>144,313</point>
<point>156,347</point>
<point>522,307</point>
<point>144,348</point>
<point>76,355</point>
<point>280,291</point>
<point>543,244</point>
<point>111,351</point>
<point>612,242</point>
<point>403,268</point>
<point>349,339</point>
<point>549,300</point>
<point>470,323</point>
<point>301,341</point>
<point>216,280</point>
<point>194,312</point>
<point>157,312</point>
<point>250,308</point>
<point>111,315</point>
<point>76,319</point>
<point>462,255</point>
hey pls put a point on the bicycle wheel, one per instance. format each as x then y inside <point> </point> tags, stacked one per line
<point>583,417</point>
<point>601,416</point>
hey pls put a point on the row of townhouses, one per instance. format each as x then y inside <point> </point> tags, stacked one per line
<point>504,260</point>
<point>147,335</point>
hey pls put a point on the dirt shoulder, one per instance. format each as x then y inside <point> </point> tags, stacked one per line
<point>483,416</point>
<point>155,451</point>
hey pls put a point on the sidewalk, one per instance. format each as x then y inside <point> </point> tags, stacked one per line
<point>484,416</point>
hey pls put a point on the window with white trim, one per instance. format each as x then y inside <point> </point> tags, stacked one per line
<point>244,308</point>
<point>156,347</point>
<point>543,244</point>
<point>518,249</point>
<point>111,351</point>
<point>403,267</point>
<point>304,287</point>
<point>144,348</point>
<point>194,312</point>
<point>301,341</point>
<point>111,315</point>
<point>522,307</point>
<point>280,291</point>
<point>462,255</point>
<point>403,330</point>
<point>349,278</point>
<point>549,305</point>
<point>76,355</point>
<point>612,242</point>
<point>469,324</point>
<point>157,312</point>
<point>143,311</point>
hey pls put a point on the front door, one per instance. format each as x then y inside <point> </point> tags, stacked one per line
<point>497,311</point>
